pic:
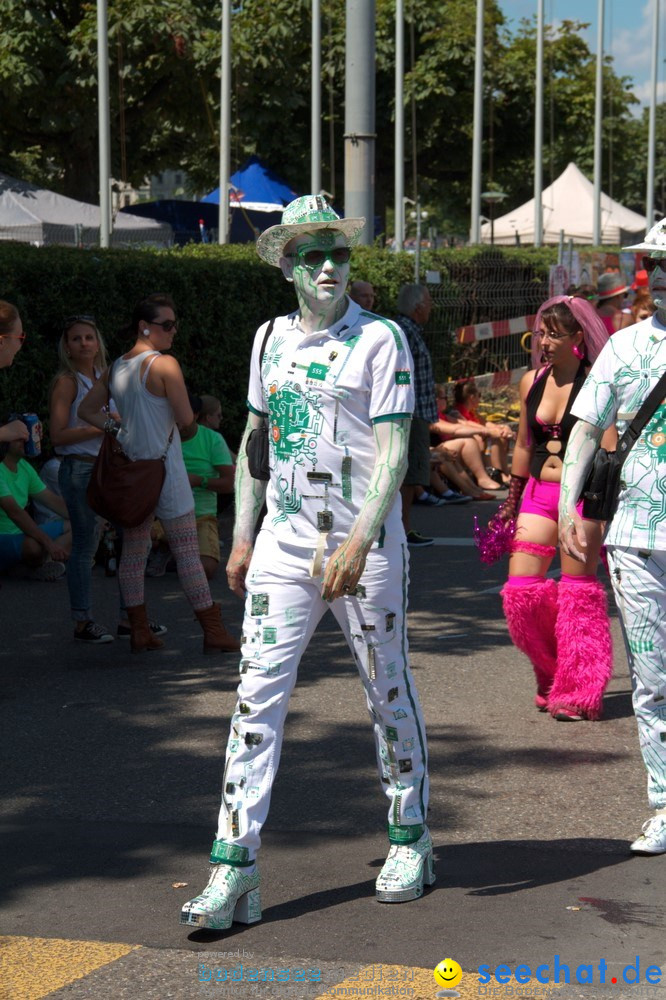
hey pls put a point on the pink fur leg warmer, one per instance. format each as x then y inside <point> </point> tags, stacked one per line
<point>584,648</point>
<point>530,612</point>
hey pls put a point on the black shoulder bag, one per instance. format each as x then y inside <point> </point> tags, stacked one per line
<point>256,448</point>
<point>602,486</point>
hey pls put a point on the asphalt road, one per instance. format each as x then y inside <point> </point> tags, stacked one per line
<point>111,776</point>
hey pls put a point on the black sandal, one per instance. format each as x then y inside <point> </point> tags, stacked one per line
<point>496,474</point>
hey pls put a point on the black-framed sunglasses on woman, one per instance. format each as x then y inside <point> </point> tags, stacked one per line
<point>167,324</point>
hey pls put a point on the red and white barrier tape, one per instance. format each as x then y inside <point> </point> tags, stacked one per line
<point>499,328</point>
<point>499,380</point>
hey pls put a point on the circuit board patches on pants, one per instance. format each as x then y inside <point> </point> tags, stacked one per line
<point>289,598</point>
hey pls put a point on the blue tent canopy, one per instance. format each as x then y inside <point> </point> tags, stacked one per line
<point>258,188</point>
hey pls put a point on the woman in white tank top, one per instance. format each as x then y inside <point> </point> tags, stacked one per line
<point>149,393</point>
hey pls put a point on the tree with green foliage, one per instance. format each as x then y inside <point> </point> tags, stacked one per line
<point>164,69</point>
<point>569,107</point>
<point>634,180</point>
<point>48,88</point>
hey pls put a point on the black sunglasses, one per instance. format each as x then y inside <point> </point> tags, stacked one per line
<point>167,324</point>
<point>652,263</point>
<point>315,258</point>
<point>71,320</point>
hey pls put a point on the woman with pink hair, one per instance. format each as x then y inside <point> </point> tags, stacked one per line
<point>562,627</point>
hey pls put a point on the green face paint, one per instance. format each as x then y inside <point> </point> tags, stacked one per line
<point>320,289</point>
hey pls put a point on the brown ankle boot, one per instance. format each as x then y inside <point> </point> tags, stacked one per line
<point>216,637</point>
<point>141,637</point>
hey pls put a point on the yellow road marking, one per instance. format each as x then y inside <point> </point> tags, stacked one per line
<point>383,981</point>
<point>31,968</point>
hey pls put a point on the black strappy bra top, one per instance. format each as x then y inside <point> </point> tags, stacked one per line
<point>550,439</point>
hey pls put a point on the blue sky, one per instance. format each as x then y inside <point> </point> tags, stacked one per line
<point>627,31</point>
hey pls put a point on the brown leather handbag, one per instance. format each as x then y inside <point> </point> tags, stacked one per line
<point>120,490</point>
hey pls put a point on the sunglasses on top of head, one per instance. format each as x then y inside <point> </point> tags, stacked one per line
<point>315,258</point>
<point>73,320</point>
<point>167,324</point>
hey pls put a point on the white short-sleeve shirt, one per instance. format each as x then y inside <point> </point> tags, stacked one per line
<point>629,366</point>
<point>321,394</point>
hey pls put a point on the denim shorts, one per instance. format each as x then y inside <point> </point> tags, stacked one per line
<point>11,545</point>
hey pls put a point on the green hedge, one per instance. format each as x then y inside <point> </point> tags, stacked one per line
<point>222,295</point>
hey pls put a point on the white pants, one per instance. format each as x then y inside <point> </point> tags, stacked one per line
<point>639,583</point>
<point>283,607</point>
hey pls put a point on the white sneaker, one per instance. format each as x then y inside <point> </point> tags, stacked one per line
<point>405,870</point>
<point>49,571</point>
<point>232,894</point>
<point>653,838</point>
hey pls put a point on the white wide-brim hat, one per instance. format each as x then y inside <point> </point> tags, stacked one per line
<point>308,214</point>
<point>655,238</point>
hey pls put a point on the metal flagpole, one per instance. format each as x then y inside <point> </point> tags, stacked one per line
<point>225,123</point>
<point>538,131</point>
<point>315,151</point>
<point>598,114</point>
<point>104,124</point>
<point>652,131</point>
<point>475,226</point>
<point>360,114</point>
<point>399,161</point>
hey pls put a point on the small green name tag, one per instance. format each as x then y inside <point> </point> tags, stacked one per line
<point>317,371</point>
<point>403,378</point>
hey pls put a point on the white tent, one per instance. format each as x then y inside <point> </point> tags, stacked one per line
<point>31,214</point>
<point>568,205</point>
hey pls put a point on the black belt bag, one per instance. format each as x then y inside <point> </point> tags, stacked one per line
<point>256,447</point>
<point>602,486</point>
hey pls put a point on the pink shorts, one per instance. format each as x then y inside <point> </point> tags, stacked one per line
<point>542,498</point>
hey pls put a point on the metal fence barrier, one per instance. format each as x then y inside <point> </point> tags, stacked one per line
<point>482,292</point>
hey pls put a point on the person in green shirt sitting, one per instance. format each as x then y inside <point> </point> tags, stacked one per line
<point>42,548</point>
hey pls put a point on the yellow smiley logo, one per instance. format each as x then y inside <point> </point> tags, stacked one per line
<point>447,973</point>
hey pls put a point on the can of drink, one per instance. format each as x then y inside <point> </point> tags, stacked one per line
<point>33,446</point>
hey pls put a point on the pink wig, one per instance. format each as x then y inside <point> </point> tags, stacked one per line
<point>584,316</point>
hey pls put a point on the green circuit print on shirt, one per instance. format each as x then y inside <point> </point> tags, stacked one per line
<point>273,355</point>
<point>295,421</point>
<point>655,433</point>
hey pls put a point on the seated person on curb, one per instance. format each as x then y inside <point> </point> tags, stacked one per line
<point>448,473</point>
<point>494,437</point>
<point>211,470</point>
<point>44,548</point>
<point>458,440</point>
